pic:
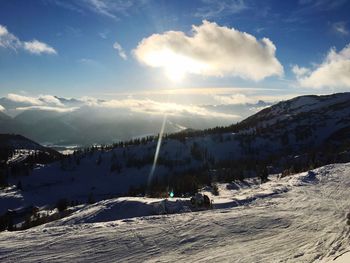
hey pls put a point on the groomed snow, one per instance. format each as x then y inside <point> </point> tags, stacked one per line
<point>301,218</point>
<point>343,258</point>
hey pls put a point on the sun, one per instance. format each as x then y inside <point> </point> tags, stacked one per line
<point>175,73</point>
<point>176,65</point>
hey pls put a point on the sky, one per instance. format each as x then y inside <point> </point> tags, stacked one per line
<point>233,50</point>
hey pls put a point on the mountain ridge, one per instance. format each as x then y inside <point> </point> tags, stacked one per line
<point>284,142</point>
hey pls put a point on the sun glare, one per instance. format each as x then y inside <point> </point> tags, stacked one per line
<point>176,66</point>
<point>175,73</point>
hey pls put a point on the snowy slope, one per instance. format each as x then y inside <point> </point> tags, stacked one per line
<point>76,182</point>
<point>343,258</point>
<point>12,141</point>
<point>18,142</point>
<point>302,122</point>
<point>15,149</point>
<point>303,222</point>
<point>275,130</point>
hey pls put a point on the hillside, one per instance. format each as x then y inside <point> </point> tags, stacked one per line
<point>19,155</point>
<point>7,124</point>
<point>3,117</point>
<point>305,221</point>
<point>307,120</point>
<point>15,142</point>
<point>289,137</point>
<point>252,163</point>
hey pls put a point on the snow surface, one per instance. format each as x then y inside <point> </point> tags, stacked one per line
<point>343,258</point>
<point>301,218</point>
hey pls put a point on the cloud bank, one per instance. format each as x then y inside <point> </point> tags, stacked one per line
<point>41,100</point>
<point>234,99</point>
<point>333,72</point>
<point>10,41</point>
<point>48,108</point>
<point>152,107</point>
<point>211,50</point>
<point>122,106</point>
<point>24,99</point>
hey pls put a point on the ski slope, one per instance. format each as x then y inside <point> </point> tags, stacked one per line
<point>301,218</point>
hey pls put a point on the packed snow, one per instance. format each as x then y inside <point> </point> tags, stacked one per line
<point>299,218</point>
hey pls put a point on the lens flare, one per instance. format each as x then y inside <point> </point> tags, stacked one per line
<point>150,176</point>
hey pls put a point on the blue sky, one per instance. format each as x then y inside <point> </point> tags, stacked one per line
<point>82,36</point>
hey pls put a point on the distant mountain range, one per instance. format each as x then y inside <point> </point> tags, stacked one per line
<point>63,121</point>
<point>291,136</point>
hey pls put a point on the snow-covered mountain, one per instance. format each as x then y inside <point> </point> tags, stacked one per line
<point>302,217</point>
<point>18,154</point>
<point>303,124</point>
<point>307,118</point>
<point>61,121</point>
<point>292,135</point>
<point>15,142</point>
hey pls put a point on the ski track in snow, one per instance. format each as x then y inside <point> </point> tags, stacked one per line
<point>304,224</point>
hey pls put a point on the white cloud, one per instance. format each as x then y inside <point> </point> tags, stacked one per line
<point>300,71</point>
<point>47,108</point>
<point>212,50</point>
<point>3,30</point>
<point>8,40</point>
<point>24,99</point>
<point>214,8</point>
<point>234,99</point>
<point>333,72</point>
<point>152,107</point>
<point>145,106</point>
<point>49,99</point>
<point>37,47</point>
<point>90,101</point>
<point>139,106</point>
<point>120,50</point>
<point>340,28</point>
<point>2,108</point>
<point>148,106</point>
<point>42,100</point>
